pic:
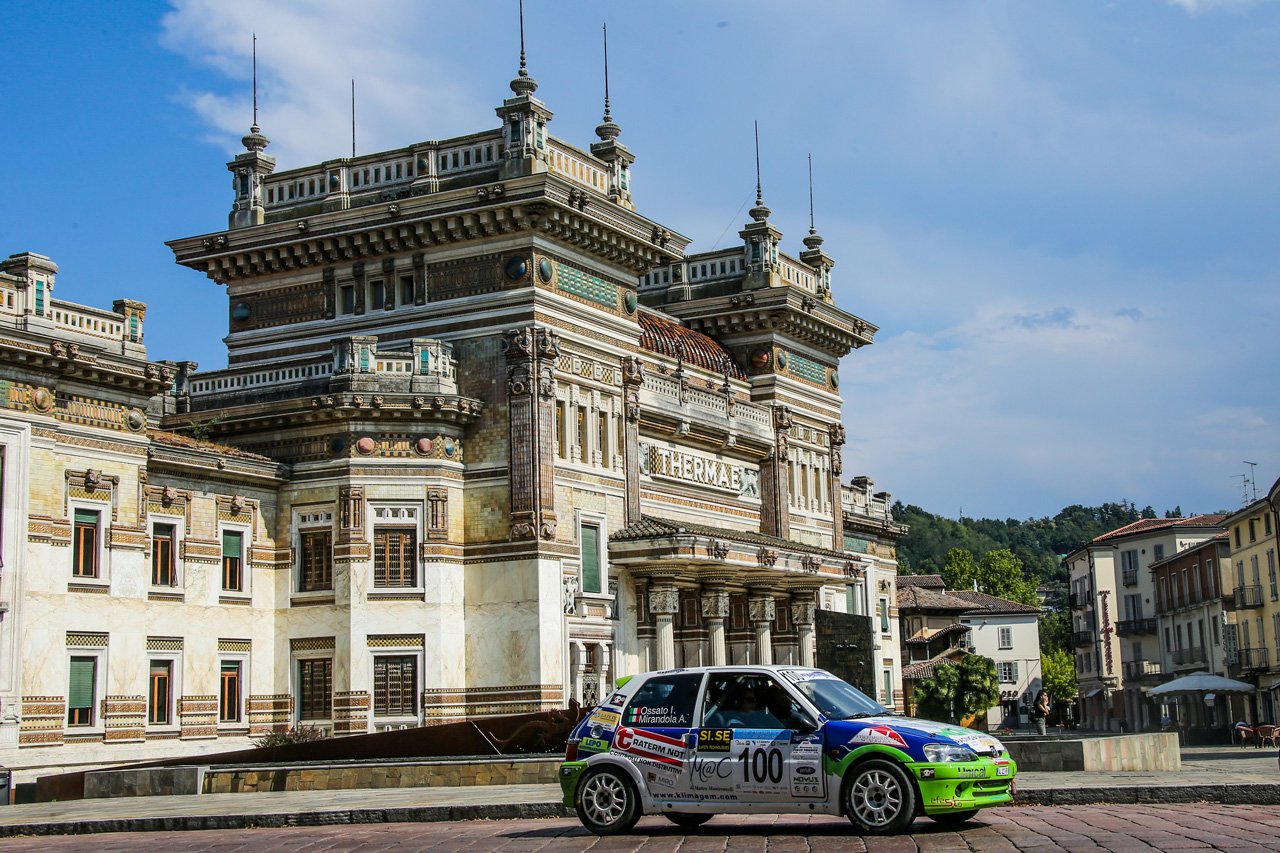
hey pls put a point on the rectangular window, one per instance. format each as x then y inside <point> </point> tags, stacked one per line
<point>591,558</point>
<point>1006,638</point>
<point>159,691</point>
<point>229,693</point>
<point>602,437</point>
<point>85,543</point>
<point>162,546</point>
<point>1237,532</point>
<point>1158,551</point>
<point>884,616</point>
<point>560,442</point>
<point>1008,671</point>
<point>40,298</point>
<point>377,294</point>
<point>1266,523</point>
<point>582,433</point>
<point>394,557</point>
<point>395,686</point>
<point>1271,576</point>
<point>232,561</point>
<point>348,299</point>
<point>80,691</point>
<point>406,290</point>
<point>1253,530</point>
<point>316,553</point>
<point>315,689</point>
<point>886,688</point>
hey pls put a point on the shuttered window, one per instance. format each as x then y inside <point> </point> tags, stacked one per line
<point>395,686</point>
<point>590,558</point>
<point>85,543</point>
<point>159,691</point>
<point>315,689</point>
<point>229,693</point>
<point>394,561</point>
<point>232,561</point>
<point>80,691</point>
<point>317,560</point>
<point>162,536</point>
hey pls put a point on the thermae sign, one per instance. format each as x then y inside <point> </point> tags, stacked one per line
<point>670,464</point>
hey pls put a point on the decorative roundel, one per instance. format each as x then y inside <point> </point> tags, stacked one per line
<point>629,301</point>
<point>422,165</point>
<point>366,445</point>
<point>240,312</point>
<point>782,360</point>
<point>517,268</point>
<point>423,446</point>
<point>337,446</point>
<point>42,400</point>
<point>834,378</point>
<point>449,447</point>
<point>334,182</point>
<point>760,358</point>
<point>135,420</point>
<point>546,269</point>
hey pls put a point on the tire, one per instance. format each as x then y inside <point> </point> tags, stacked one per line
<point>954,818</point>
<point>879,797</point>
<point>607,801</point>
<point>688,820</point>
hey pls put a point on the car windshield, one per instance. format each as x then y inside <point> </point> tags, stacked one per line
<point>838,700</point>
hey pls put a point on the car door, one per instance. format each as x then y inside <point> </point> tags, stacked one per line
<point>755,742</point>
<point>654,734</point>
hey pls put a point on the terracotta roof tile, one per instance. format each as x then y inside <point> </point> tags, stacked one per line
<point>660,335</point>
<point>1145,525</point>
<point>173,439</point>
<point>649,527</point>
<point>917,598</point>
<point>921,638</point>
<point>927,581</point>
<point>924,668</point>
<point>991,603</point>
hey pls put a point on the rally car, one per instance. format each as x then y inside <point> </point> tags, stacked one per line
<point>692,743</point>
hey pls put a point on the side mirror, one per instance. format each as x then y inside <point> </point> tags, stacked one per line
<point>801,723</point>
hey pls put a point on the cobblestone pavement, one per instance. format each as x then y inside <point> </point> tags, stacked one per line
<point>1071,829</point>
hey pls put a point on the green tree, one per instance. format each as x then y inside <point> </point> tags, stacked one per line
<point>957,572</point>
<point>1000,573</point>
<point>958,691</point>
<point>1058,673</point>
<point>1055,631</point>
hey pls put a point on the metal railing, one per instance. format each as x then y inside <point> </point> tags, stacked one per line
<point>1135,669</point>
<point>1079,600</point>
<point>1127,627</point>
<point>1182,657</point>
<point>1254,658</point>
<point>1082,638</point>
<point>1248,596</point>
<point>1129,577</point>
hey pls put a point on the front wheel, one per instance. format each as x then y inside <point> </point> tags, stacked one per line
<point>607,802</point>
<point>688,820</point>
<point>954,818</point>
<point>879,798</point>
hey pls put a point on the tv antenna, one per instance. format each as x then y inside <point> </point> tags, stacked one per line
<point>1253,478</point>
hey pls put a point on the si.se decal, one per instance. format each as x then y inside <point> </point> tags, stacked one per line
<point>881,735</point>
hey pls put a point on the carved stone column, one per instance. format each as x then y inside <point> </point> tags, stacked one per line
<point>803,612</point>
<point>837,436</point>
<point>632,379</point>
<point>775,492</point>
<point>715,609</point>
<point>664,603</point>
<point>531,389</point>
<point>762,610</point>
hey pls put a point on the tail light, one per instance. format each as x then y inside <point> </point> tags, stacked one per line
<point>571,751</point>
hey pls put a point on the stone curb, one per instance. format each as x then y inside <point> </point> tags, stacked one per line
<point>1235,793</point>
<point>176,823</point>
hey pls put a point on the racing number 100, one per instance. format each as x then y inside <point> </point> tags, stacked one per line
<point>761,764</point>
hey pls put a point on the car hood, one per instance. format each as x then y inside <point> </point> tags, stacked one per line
<point>979,742</point>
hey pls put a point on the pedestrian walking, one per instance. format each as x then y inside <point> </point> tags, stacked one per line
<point>1040,712</point>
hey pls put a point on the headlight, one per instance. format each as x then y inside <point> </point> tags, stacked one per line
<point>945,752</point>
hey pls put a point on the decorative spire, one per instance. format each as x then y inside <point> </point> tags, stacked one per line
<point>254,140</point>
<point>523,84</point>
<point>814,240</point>
<point>607,130</point>
<point>759,213</point>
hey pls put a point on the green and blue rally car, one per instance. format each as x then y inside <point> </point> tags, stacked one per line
<point>692,743</point>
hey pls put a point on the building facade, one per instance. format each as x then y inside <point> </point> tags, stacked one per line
<point>1253,590</point>
<point>1112,601</point>
<point>488,440</point>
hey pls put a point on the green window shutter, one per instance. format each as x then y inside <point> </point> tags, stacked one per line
<point>590,558</point>
<point>848,599</point>
<point>80,690</point>
<point>230,544</point>
<point>86,516</point>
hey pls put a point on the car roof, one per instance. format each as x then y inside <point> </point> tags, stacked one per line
<point>755,667</point>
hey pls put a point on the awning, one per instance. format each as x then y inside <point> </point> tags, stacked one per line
<point>1094,692</point>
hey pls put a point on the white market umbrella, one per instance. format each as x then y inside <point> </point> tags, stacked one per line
<point>1201,682</point>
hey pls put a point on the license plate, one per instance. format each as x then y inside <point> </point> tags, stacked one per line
<point>1003,770</point>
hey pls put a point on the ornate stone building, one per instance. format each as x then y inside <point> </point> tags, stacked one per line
<point>488,440</point>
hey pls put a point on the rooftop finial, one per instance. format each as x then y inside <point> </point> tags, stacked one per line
<point>759,213</point>
<point>523,84</point>
<point>254,140</point>
<point>255,81</point>
<point>353,117</point>
<point>812,241</point>
<point>607,129</point>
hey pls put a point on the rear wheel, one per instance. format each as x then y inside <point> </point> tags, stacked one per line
<point>688,820</point>
<point>879,798</point>
<point>607,802</point>
<point>954,818</point>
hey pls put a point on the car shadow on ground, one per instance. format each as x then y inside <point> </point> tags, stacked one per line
<point>649,828</point>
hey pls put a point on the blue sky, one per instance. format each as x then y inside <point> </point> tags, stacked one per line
<point>1062,215</point>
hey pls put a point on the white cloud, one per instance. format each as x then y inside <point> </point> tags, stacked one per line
<point>1197,7</point>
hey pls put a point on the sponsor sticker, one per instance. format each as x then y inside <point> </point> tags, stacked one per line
<point>879,734</point>
<point>715,740</point>
<point>617,700</point>
<point>971,772</point>
<point>605,718</point>
<point>656,715</point>
<point>593,745</point>
<point>651,745</point>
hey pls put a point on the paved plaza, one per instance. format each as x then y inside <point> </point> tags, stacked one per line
<point>1074,829</point>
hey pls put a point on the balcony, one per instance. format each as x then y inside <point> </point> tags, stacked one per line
<point>1255,658</point>
<point>1129,627</point>
<point>1136,670</point>
<point>1129,577</point>
<point>1194,654</point>
<point>1248,596</point>
<point>1081,638</point>
<point>1079,601</point>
